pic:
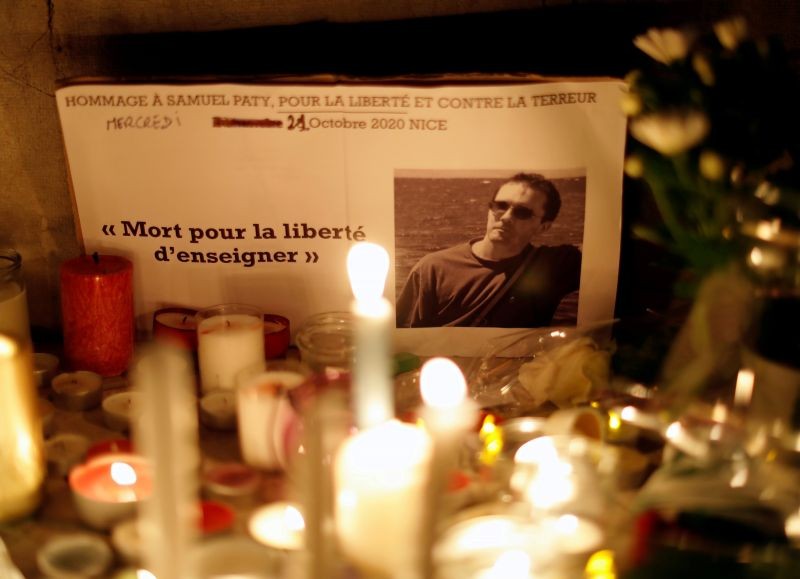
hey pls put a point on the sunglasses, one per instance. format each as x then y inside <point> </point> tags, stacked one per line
<point>517,211</point>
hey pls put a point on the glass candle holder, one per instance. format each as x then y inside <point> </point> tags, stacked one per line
<point>326,341</point>
<point>230,338</point>
<point>22,461</point>
<point>13,301</point>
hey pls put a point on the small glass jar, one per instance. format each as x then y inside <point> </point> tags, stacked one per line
<point>326,341</point>
<point>13,300</point>
<point>22,459</point>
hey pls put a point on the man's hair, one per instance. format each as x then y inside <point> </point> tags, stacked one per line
<point>537,182</point>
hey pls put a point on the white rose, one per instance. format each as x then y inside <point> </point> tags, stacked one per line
<point>671,132</point>
<point>665,45</point>
<point>567,374</point>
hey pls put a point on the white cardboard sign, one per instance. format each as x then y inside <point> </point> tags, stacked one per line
<point>253,193</point>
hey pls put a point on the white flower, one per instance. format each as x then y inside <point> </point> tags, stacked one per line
<point>712,165</point>
<point>567,374</point>
<point>665,45</point>
<point>731,32</point>
<point>670,133</point>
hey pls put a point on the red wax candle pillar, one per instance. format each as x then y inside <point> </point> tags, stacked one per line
<point>97,313</point>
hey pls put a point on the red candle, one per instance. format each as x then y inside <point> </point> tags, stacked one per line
<point>97,313</point>
<point>176,326</point>
<point>276,336</point>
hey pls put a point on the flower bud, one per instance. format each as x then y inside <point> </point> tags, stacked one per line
<point>712,166</point>
<point>634,166</point>
<point>631,104</point>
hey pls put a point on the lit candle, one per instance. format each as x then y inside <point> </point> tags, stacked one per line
<point>380,477</point>
<point>230,338</point>
<point>264,415</point>
<point>278,525</point>
<point>167,434</point>
<point>176,326</point>
<point>367,266</point>
<point>97,313</point>
<point>106,489</point>
<point>22,460</point>
<point>448,415</point>
<point>82,390</point>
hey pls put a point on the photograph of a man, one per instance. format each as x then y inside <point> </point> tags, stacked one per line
<point>503,279</point>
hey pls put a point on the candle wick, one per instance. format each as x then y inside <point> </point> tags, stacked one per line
<point>183,321</point>
<point>228,323</point>
<point>96,258</point>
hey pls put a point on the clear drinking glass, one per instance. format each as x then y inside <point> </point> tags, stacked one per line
<point>13,300</point>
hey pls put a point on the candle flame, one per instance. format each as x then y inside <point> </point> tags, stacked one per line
<point>744,387</point>
<point>123,474</point>
<point>511,565</point>
<point>293,519</point>
<point>7,347</point>
<point>442,384</point>
<point>367,267</point>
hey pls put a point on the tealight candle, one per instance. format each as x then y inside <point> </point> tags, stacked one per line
<point>276,336</point>
<point>74,555</point>
<point>218,410</point>
<point>65,451</point>
<point>107,488</point>
<point>126,541</point>
<point>231,481</point>
<point>176,326</point>
<point>97,313</point>
<point>264,416</point>
<point>367,266</point>
<point>230,338</point>
<point>120,408</point>
<point>45,367</point>
<point>380,477</point>
<point>80,390</point>
<point>278,525</point>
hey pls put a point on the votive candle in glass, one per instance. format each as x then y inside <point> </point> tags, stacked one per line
<point>230,338</point>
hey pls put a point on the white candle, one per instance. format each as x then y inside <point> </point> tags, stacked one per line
<point>264,414</point>
<point>367,266</point>
<point>448,415</point>
<point>167,434</point>
<point>81,390</point>
<point>380,481</point>
<point>230,338</point>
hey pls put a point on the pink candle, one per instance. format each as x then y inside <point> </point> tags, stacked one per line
<point>97,313</point>
<point>107,488</point>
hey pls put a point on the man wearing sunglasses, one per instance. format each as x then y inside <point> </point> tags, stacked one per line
<point>501,280</point>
